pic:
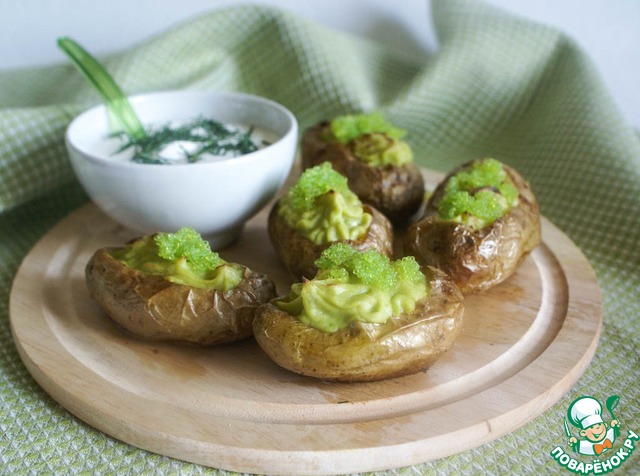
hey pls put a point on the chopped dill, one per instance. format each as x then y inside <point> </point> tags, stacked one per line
<point>207,136</point>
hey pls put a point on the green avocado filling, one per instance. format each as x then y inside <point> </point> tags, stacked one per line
<point>355,286</point>
<point>479,195</point>
<point>321,207</point>
<point>183,258</point>
<point>372,139</point>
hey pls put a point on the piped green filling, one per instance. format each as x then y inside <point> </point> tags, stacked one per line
<point>321,207</point>
<point>183,258</point>
<point>355,286</point>
<point>351,126</point>
<point>478,195</point>
<point>372,139</point>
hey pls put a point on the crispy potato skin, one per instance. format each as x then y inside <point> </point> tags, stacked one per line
<point>155,309</point>
<point>395,191</point>
<point>477,259</point>
<point>363,352</point>
<point>298,254</point>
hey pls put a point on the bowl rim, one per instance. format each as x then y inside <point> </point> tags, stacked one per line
<point>292,129</point>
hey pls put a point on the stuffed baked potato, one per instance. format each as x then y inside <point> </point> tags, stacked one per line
<point>318,211</point>
<point>354,350</point>
<point>478,251</point>
<point>139,296</point>
<point>394,186</point>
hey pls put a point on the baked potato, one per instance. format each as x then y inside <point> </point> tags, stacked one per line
<point>324,195</point>
<point>395,190</point>
<point>152,307</point>
<point>366,351</point>
<point>477,257</point>
<point>298,253</point>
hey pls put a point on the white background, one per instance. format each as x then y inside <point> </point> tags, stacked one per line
<point>608,30</point>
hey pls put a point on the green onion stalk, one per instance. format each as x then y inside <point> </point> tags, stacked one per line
<point>118,106</point>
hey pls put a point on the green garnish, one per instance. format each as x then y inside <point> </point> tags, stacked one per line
<point>314,182</point>
<point>208,135</point>
<point>353,286</point>
<point>321,207</point>
<point>187,243</point>
<point>344,262</point>
<point>408,269</point>
<point>371,139</point>
<point>351,126</point>
<point>478,195</point>
<point>116,102</point>
<point>378,149</point>
<point>183,257</point>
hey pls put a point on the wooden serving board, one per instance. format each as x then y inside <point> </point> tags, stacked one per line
<point>524,345</point>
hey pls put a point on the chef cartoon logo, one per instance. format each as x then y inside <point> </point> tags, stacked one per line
<point>596,437</point>
<point>590,435</point>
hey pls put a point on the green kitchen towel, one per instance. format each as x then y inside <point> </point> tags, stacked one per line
<point>497,86</point>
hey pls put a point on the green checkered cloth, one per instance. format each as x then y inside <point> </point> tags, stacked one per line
<point>498,86</point>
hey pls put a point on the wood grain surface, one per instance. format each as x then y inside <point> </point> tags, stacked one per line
<point>524,345</point>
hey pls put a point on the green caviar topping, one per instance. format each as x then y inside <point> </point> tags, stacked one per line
<point>408,269</point>
<point>369,267</point>
<point>187,243</point>
<point>353,286</point>
<point>379,149</point>
<point>478,195</point>
<point>314,182</point>
<point>182,258</point>
<point>372,139</point>
<point>351,126</point>
<point>321,207</point>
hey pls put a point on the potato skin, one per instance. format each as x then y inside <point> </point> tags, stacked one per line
<point>155,309</point>
<point>477,259</point>
<point>396,191</point>
<point>363,352</point>
<point>298,254</point>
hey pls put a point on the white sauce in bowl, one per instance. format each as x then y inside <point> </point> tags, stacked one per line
<point>177,152</point>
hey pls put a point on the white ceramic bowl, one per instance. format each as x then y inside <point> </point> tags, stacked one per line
<point>214,198</point>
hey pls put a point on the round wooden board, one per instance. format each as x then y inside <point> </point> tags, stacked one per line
<point>524,345</point>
